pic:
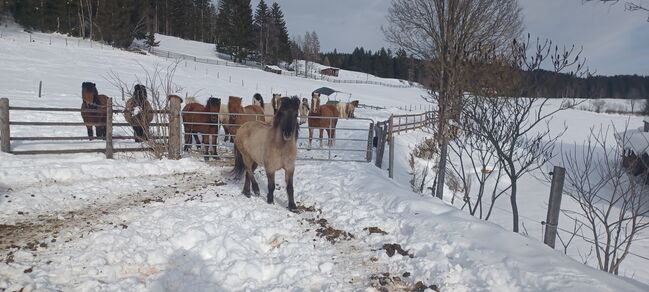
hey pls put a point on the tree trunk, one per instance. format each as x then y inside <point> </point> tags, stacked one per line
<point>514,206</point>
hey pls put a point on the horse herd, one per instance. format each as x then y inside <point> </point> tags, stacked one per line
<point>263,134</point>
<point>206,120</point>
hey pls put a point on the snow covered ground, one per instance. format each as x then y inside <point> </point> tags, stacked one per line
<point>81,222</point>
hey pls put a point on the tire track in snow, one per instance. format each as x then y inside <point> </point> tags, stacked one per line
<point>35,233</point>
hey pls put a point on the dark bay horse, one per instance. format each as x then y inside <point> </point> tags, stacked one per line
<point>323,117</point>
<point>195,122</point>
<point>239,114</point>
<point>273,146</point>
<point>93,110</point>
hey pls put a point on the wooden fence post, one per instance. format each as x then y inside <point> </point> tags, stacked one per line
<point>174,127</point>
<point>391,157</point>
<point>381,134</point>
<point>109,129</point>
<point>554,206</point>
<point>370,138</point>
<point>4,126</point>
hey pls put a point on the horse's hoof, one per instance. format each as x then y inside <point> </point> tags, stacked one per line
<point>207,159</point>
<point>292,208</point>
<point>247,195</point>
<point>270,202</point>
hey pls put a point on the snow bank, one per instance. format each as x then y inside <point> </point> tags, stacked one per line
<point>22,171</point>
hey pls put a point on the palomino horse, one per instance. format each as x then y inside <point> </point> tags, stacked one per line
<point>323,117</point>
<point>224,119</point>
<point>194,122</point>
<point>277,102</point>
<point>269,111</point>
<point>239,115</point>
<point>93,109</point>
<point>274,146</point>
<point>304,110</point>
<point>347,109</point>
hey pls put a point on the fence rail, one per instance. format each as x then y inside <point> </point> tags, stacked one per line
<point>6,123</point>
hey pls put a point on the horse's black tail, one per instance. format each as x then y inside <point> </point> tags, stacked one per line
<point>239,167</point>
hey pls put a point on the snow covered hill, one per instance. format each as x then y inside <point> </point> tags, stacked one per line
<point>86,223</point>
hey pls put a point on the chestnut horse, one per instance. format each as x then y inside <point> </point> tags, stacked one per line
<point>323,117</point>
<point>239,115</point>
<point>273,146</point>
<point>194,123</point>
<point>269,111</point>
<point>93,109</point>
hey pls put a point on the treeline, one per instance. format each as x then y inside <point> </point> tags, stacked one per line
<point>232,25</point>
<point>117,22</point>
<point>383,63</point>
<point>563,85</point>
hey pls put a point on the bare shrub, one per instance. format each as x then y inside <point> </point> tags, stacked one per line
<point>159,84</point>
<point>613,204</point>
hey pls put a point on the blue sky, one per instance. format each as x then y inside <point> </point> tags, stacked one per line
<point>615,41</point>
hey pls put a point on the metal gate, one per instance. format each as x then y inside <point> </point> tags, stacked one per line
<point>352,143</point>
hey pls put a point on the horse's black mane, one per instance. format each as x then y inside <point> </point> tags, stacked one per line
<point>288,125</point>
<point>213,101</point>
<point>258,97</point>
<point>89,86</point>
<point>139,94</point>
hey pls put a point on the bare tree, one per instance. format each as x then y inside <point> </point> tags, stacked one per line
<point>444,33</point>
<point>628,5</point>
<point>613,204</point>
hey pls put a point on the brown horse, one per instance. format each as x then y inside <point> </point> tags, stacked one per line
<point>239,115</point>
<point>347,109</point>
<point>323,117</point>
<point>277,101</point>
<point>195,122</point>
<point>93,109</point>
<point>272,146</point>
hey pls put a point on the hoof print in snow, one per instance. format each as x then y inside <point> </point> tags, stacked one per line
<point>392,249</point>
<point>149,200</point>
<point>28,270</point>
<point>329,233</point>
<point>302,209</point>
<point>386,282</point>
<point>375,230</point>
<point>406,274</point>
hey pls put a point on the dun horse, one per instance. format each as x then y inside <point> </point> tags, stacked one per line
<point>93,110</point>
<point>239,115</point>
<point>304,110</point>
<point>201,119</point>
<point>347,109</point>
<point>269,111</point>
<point>273,146</point>
<point>323,117</point>
<point>277,101</point>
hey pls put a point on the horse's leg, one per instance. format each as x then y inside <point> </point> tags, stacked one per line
<point>289,189</point>
<point>271,187</point>
<point>188,142</point>
<point>310,136</point>
<point>246,185</point>
<point>321,136</point>
<point>255,186</point>
<point>90,133</point>
<point>206,147</point>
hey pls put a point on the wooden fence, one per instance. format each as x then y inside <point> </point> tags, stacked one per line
<point>109,149</point>
<point>396,124</point>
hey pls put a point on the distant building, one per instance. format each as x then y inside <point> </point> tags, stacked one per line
<point>273,69</point>
<point>330,71</point>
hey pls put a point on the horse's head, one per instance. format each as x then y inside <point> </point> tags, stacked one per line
<point>286,118</point>
<point>315,102</point>
<point>258,100</point>
<point>305,104</point>
<point>88,92</point>
<point>234,104</point>
<point>213,106</point>
<point>139,94</point>
<point>355,103</point>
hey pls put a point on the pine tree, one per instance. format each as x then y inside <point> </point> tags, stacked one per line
<point>262,30</point>
<point>279,39</point>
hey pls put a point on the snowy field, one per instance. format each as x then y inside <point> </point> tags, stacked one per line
<point>81,222</point>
